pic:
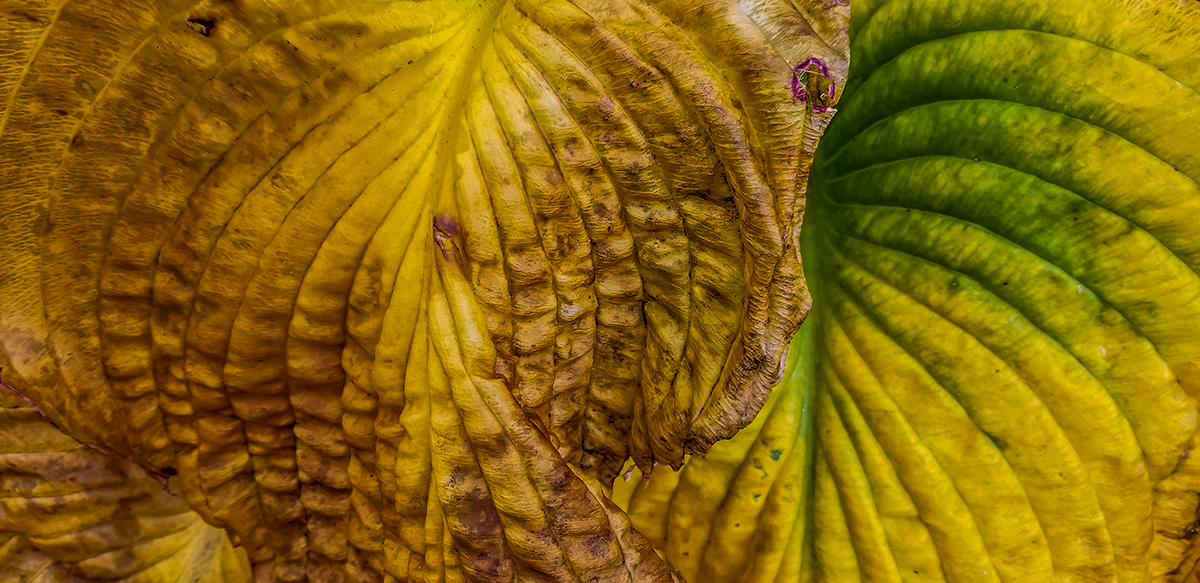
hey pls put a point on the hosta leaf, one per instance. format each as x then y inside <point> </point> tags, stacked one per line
<point>68,513</point>
<point>738,513</point>
<point>1001,362</point>
<point>395,286</point>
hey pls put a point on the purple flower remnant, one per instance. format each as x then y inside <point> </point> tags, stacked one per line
<point>800,83</point>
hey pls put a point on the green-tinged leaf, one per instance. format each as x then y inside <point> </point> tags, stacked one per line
<point>1005,256</point>
<point>1001,363</point>
<point>68,513</point>
<point>393,286</point>
<point>738,513</point>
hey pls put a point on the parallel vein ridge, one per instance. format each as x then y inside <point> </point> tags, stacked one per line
<point>999,379</point>
<point>393,289</point>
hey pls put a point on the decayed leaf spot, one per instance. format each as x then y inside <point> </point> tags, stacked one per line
<point>205,26</point>
<point>812,84</point>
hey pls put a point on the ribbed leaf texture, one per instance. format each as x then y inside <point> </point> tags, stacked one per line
<point>395,288</point>
<point>998,381</point>
<point>69,513</point>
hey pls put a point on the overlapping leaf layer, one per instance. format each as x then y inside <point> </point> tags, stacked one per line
<point>71,514</point>
<point>390,284</point>
<point>999,379</point>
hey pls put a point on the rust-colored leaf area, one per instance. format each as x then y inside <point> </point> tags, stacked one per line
<point>395,288</point>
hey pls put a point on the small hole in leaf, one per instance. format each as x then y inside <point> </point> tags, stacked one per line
<point>204,26</point>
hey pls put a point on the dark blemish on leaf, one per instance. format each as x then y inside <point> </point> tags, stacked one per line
<point>812,84</point>
<point>478,515</point>
<point>775,454</point>
<point>444,232</point>
<point>77,140</point>
<point>1192,529</point>
<point>410,62</point>
<point>494,445</point>
<point>22,396</point>
<point>560,479</point>
<point>204,26</point>
<point>457,476</point>
<point>598,544</point>
<point>490,564</point>
<point>445,225</point>
<point>758,495</point>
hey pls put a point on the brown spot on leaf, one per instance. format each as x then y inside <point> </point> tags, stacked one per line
<point>444,223</point>
<point>598,544</point>
<point>478,515</point>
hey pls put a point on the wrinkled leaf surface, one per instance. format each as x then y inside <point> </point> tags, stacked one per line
<point>69,513</point>
<point>391,284</point>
